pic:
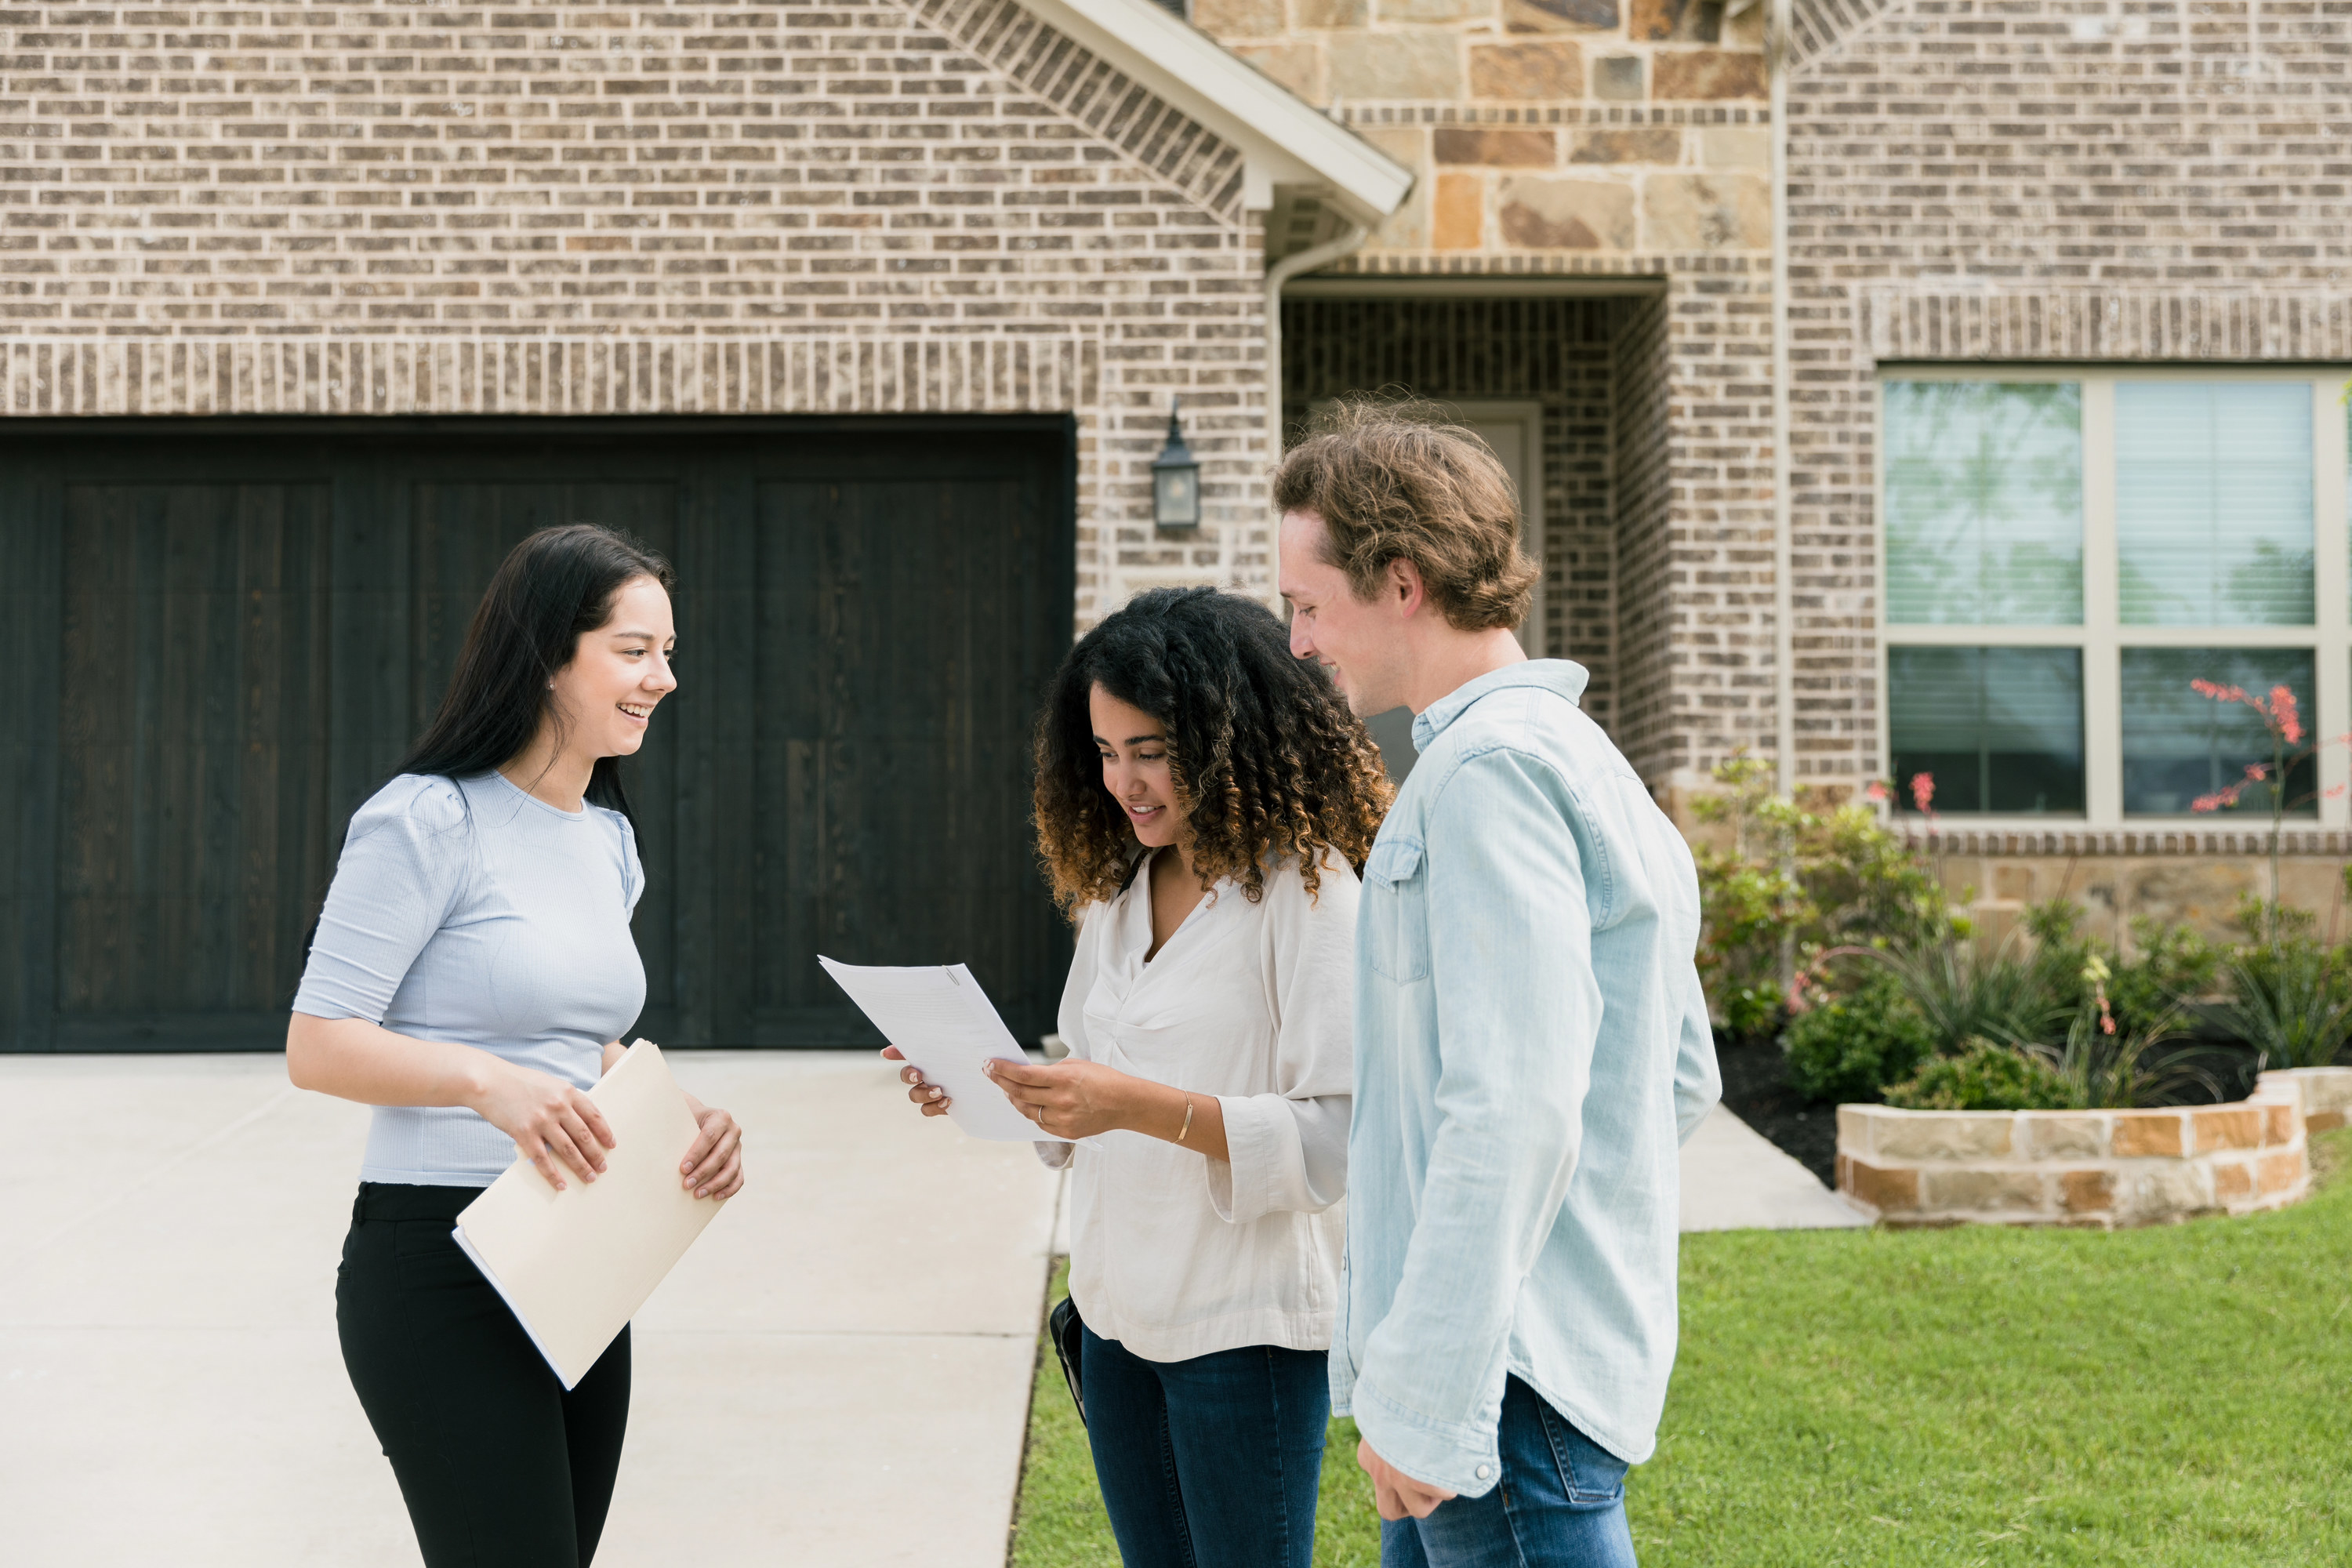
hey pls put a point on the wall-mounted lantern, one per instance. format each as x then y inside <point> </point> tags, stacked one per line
<point>1175,480</point>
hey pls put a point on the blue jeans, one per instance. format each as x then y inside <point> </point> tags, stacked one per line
<point>1211,1462</point>
<point>1560,1503</point>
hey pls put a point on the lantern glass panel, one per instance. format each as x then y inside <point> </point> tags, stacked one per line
<point>1176,497</point>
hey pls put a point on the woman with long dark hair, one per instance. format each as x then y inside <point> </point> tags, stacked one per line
<point>471,976</point>
<point>1204,803</point>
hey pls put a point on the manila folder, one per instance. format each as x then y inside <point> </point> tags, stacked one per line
<point>576,1264</point>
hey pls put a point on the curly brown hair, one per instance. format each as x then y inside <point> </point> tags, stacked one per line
<point>1269,762</point>
<point>1394,479</point>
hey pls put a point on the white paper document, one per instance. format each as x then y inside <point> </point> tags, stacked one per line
<point>943,1023</point>
<point>576,1264</point>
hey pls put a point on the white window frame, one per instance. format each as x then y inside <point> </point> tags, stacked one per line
<point>2101,636</point>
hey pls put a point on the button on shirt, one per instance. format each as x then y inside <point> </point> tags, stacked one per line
<point>1172,1255</point>
<point>1531,1048</point>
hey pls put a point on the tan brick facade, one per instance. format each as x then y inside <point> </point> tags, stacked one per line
<point>952,205</point>
<point>2036,182</point>
<point>755,208</point>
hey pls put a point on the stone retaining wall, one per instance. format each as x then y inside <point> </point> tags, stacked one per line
<point>2104,1168</point>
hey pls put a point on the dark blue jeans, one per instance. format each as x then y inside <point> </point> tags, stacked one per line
<point>1560,1503</point>
<point>1211,1462</point>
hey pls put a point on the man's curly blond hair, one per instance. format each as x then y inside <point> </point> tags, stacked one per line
<point>1393,480</point>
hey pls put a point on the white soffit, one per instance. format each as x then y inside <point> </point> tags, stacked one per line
<point>1283,140</point>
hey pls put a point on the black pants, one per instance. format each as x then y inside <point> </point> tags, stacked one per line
<point>499,1468</point>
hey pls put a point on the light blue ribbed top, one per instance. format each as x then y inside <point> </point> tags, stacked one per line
<point>474,913</point>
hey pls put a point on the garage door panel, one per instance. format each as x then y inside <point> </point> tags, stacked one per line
<point>905,684</point>
<point>249,630</point>
<point>191,746</point>
<point>463,527</point>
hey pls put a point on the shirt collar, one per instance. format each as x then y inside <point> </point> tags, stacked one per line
<point>1559,675</point>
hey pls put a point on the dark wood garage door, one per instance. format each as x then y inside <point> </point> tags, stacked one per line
<point>223,634</point>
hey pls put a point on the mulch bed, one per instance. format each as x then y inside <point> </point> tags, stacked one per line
<point>1756,1089</point>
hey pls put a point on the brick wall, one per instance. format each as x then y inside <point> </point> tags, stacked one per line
<point>2037,180</point>
<point>1644,727</point>
<point>689,208</point>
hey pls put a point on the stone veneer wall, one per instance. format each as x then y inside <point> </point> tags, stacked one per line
<point>2102,1168</point>
<point>868,206</point>
<point>1558,133</point>
<point>2177,876</point>
<point>1597,140</point>
<point>2037,180</point>
<point>1554,351</point>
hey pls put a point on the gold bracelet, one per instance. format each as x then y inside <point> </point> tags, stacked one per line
<point>1188,1119</point>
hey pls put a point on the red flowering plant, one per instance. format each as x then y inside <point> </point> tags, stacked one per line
<point>2290,746</point>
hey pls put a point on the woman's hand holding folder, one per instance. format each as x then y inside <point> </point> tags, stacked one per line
<point>548,1120</point>
<point>714,1163</point>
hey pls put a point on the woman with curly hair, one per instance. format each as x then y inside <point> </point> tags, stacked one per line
<point>1204,802</point>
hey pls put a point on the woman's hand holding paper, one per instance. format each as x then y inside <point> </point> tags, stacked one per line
<point>1070,1099</point>
<point>1076,1098</point>
<point>931,1097</point>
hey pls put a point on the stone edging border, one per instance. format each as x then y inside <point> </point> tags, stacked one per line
<point>2105,1169</point>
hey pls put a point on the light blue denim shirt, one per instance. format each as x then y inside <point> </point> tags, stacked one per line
<point>1531,1049</point>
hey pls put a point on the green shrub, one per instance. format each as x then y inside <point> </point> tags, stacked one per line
<point>1849,1048</point>
<point>1985,1077</point>
<point>2290,1000</point>
<point>2171,966</point>
<point>1752,1012</point>
<point>1781,883</point>
<point>1963,992</point>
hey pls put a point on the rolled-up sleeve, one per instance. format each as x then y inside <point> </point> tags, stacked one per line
<point>1288,1148</point>
<point>403,863</point>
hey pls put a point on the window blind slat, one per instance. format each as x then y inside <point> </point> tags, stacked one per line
<point>2000,729</point>
<point>2213,503</point>
<point>2179,744</point>
<point>1984,502</point>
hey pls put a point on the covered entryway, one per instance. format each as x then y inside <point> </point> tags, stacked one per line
<point>223,633</point>
<point>1566,378</point>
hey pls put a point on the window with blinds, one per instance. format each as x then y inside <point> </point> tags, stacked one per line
<point>1999,729</point>
<point>2064,553</point>
<point>2213,488</point>
<point>1984,504</point>
<point>2179,744</point>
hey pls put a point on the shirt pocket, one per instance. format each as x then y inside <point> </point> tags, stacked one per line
<point>1394,924</point>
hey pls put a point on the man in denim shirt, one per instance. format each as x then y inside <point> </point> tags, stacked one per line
<point>1531,1039</point>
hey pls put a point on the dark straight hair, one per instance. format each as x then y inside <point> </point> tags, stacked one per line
<point>551,590</point>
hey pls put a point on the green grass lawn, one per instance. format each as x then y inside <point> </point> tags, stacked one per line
<point>2176,1395</point>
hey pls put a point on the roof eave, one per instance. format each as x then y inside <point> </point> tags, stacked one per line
<point>1283,139</point>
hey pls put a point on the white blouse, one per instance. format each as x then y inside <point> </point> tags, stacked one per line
<point>1173,1255</point>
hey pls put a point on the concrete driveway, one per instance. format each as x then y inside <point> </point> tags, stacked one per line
<point>837,1375</point>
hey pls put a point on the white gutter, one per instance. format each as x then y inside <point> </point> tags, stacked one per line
<point>1282,272</point>
<point>1784,632</point>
